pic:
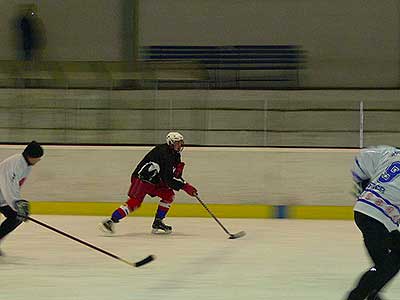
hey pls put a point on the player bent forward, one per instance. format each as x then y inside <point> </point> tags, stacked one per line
<point>376,173</point>
<point>158,174</point>
<point>13,173</point>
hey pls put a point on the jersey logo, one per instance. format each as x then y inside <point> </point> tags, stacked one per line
<point>149,171</point>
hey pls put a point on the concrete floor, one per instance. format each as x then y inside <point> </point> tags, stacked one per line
<point>277,259</point>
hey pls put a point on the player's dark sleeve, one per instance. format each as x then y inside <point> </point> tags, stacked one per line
<point>167,176</point>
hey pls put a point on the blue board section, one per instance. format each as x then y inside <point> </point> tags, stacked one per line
<point>280,211</point>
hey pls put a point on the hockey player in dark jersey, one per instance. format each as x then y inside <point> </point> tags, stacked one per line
<point>159,174</point>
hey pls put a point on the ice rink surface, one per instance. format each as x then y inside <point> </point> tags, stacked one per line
<point>277,259</point>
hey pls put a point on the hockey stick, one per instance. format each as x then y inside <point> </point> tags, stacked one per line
<point>134,264</point>
<point>231,235</point>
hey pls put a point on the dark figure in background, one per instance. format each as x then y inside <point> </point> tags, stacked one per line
<point>31,34</point>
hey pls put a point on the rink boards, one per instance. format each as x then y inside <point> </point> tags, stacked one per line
<point>234,182</point>
<point>196,210</point>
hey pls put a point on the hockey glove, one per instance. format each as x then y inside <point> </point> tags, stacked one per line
<point>179,170</point>
<point>393,241</point>
<point>357,190</point>
<point>23,209</point>
<point>359,187</point>
<point>189,189</point>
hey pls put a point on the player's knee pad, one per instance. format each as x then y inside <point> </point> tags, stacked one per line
<point>167,196</point>
<point>393,241</point>
<point>133,204</point>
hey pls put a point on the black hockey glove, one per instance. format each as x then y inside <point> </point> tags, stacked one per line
<point>393,241</point>
<point>23,209</point>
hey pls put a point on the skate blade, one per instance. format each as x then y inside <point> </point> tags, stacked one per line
<point>105,230</point>
<point>160,231</point>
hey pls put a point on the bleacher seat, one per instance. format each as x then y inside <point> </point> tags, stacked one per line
<point>238,66</point>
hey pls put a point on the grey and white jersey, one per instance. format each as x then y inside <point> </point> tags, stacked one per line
<point>13,173</point>
<point>380,166</point>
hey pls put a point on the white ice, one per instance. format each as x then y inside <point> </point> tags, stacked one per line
<point>277,259</point>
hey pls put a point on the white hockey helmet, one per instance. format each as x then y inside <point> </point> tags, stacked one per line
<point>173,137</point>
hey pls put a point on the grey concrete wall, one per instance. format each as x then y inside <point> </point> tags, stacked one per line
<point>213,118</point>
<point>222,175</point>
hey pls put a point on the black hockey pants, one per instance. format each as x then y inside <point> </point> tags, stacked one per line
<point>10,223</point>
<point>386,262</point>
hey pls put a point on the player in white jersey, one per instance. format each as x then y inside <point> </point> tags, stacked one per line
<point>376,173</point>
<point>13,172</point>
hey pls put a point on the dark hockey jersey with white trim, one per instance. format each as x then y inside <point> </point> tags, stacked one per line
<point>167,159</point>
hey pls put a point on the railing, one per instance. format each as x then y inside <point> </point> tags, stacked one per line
<point>204,117</point>
<point>94,74</point>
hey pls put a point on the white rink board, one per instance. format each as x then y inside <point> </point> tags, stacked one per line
<point>271,176</point>
<point>278,259</point>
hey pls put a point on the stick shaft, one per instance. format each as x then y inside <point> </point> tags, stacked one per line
<point>78,240</point>
<point>212,215</point>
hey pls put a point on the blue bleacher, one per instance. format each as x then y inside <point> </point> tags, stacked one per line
<point>235,65</point>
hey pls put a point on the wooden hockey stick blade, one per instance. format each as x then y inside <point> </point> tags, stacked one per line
<point>237,235</point>
<point>144,261</point>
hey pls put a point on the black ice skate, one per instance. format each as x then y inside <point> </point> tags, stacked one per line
<point>107,226</point>
<point>374,297</point>
<point>158,225</point>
